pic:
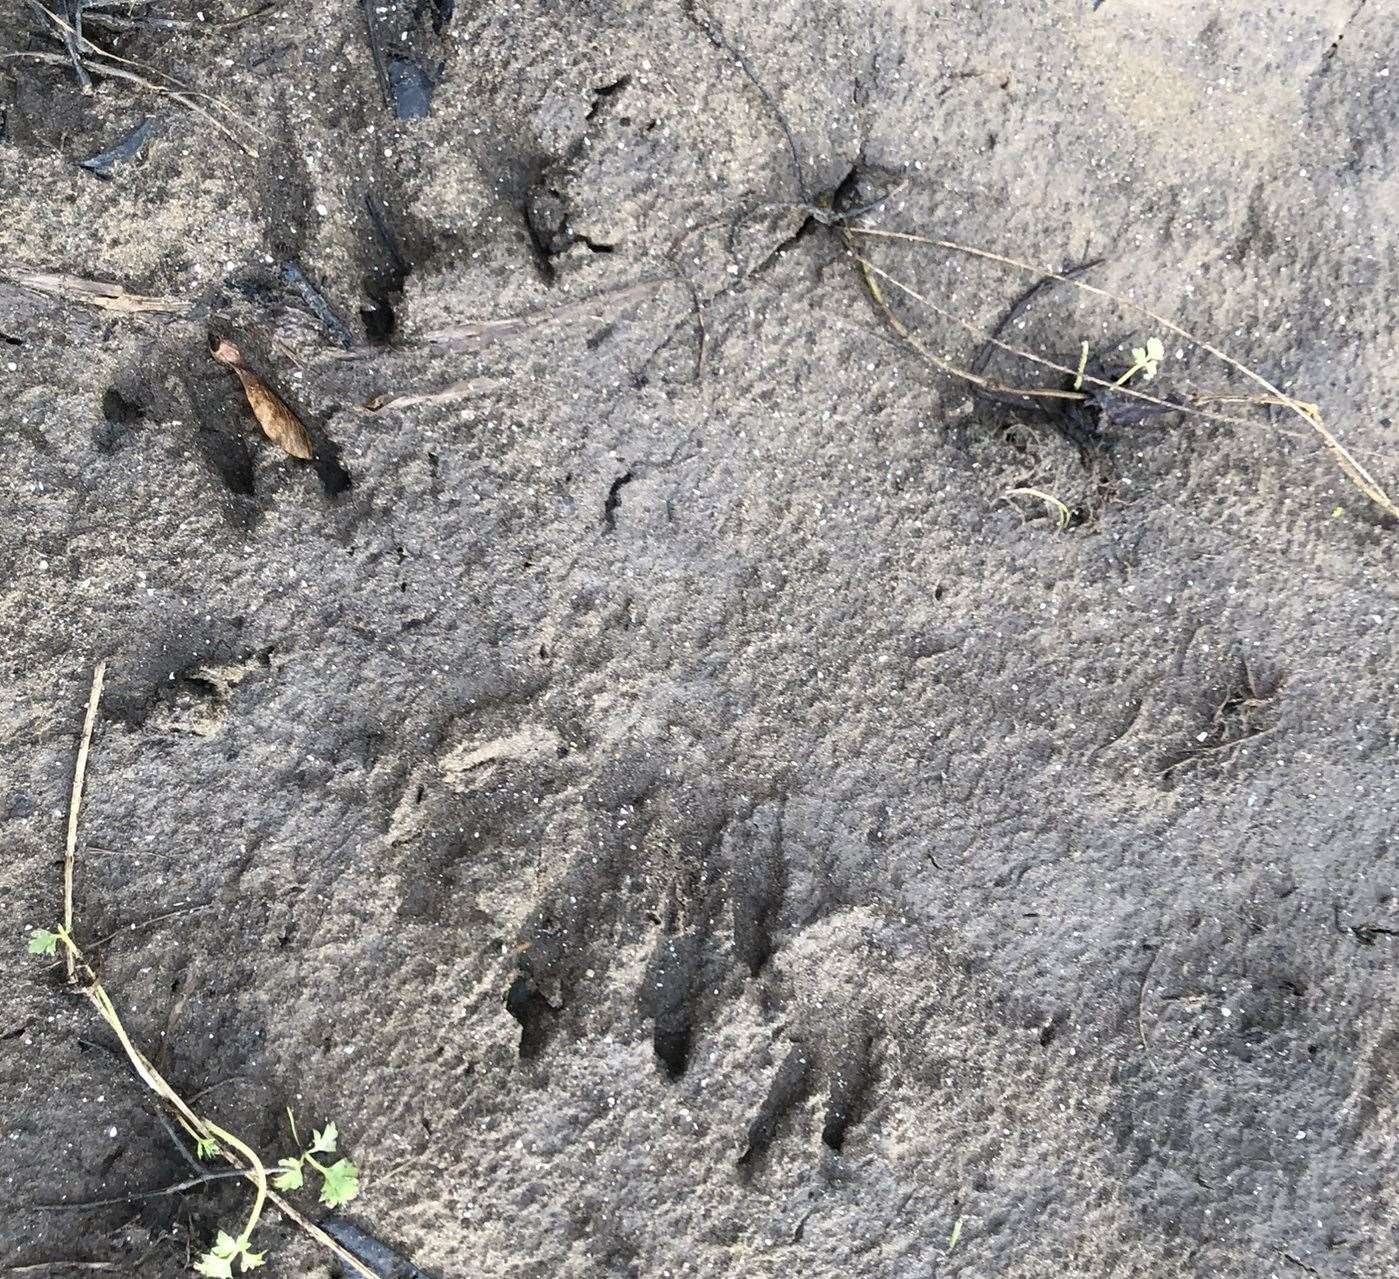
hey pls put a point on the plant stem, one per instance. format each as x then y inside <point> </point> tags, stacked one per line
<point>194,1124</point>
<point>259,1174</point>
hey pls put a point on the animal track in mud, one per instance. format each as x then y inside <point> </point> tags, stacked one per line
<point>1241,715</point>
<point>758,889</point>
<point>548,207</point>
<point>197,700</point>
<point>788,1088</point>
<point>850,1073</point>
<point>120,416</point>
<point>688,891</point>
<point>714,871</point>
<point>229,458</point>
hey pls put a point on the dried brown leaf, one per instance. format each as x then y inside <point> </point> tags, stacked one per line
<point>278,422</point>
<point>98,293</point>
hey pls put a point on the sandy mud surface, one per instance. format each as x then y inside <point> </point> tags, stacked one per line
<point>646,777</point>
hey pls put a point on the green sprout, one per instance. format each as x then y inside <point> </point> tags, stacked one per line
<point>1145,361</point>
<point>339,1181</point>
<point>205,1147</point>
<point>44,942</point>
<point>217,1263</point>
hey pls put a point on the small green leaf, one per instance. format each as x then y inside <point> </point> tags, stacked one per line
<point>341,1183</point>
<point>217,1263</point>
<point>1155,352</point>
<point>323,1140</point>
<point>291,1177</point>
<point>42,942</point>
<point>252,1260</point>
<point>1138,355</point>
<point>955,1235</point>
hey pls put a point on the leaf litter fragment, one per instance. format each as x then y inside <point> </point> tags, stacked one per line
<point>278,422</point>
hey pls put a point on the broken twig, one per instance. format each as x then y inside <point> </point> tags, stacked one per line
<point>98,293</point>
<point>1349,464</point>
<point>75,804</point>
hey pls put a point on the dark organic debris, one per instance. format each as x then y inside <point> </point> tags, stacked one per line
<point>1368,934</point>
<point>126,148</point>
<point>410,88</point>
<point>614,500</point>
<point>317,304</point>
<point>379,1257</point>
<point>400,65</point>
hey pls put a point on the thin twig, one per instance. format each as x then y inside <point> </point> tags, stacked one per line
<point>872,274</point>
<point>179,1145</point>
<point>235,1152</point>
<point>117,22</point>
<point>119,73</point>
<point>1130,392</point>
<point>1062,513</point>
<point>34,1267</point>
<point>240,1156</point>
<point>712,32</point>
<point>1347,461</point>
<point>381,72</point>
<point>181,93</point>
<point>585,308</point>
<point>1196,756</point>
<point>1141,1001</point>
<point>1019,307</point>
<point>178,1189</point>
<point>95,293</point>
<point>142,924</point>
<point>70,36</point>
<point>75,804</point>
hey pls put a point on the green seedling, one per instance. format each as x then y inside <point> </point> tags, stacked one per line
<point>339,1181</point>
<point>1145,361</point>
<point>217,1263</point>
<point>43,942</point>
